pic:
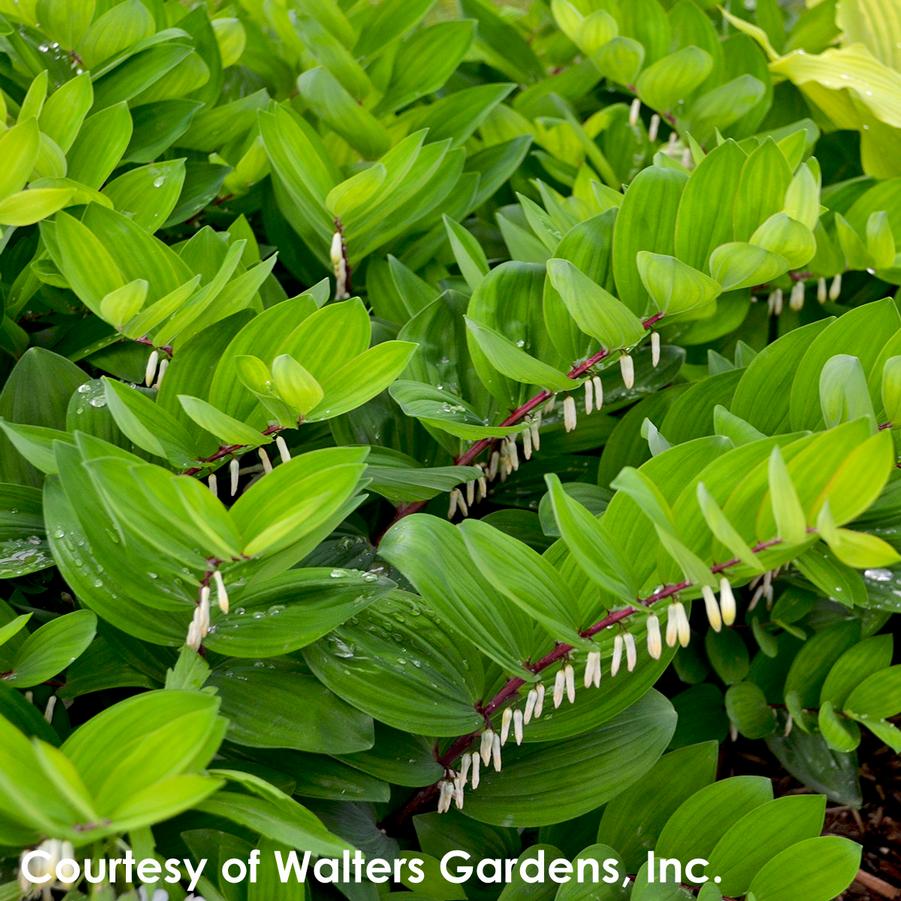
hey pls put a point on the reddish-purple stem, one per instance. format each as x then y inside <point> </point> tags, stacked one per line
<point>228,449</point>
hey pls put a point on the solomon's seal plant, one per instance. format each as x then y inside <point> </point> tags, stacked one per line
<point>449,428</point>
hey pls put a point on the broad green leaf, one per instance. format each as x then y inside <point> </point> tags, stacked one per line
<point>676,288</point>
<point>825,866</point>
<point>28,207</point>
<point>50,649</point>
<point>670,80</point>
<point>738,265</point>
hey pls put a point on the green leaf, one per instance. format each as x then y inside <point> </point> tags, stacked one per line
<point>296,387</point>
<point>123,304</point>
<point>738,265</point>
<point>791,522</point>
<point>825,866</point>
<point>749,712</point>
<point>50,649</point>
<point>841,734</point>
<point>468,253</point>
<point>28,207</point>
<point>878,696</point>
<point>596,312</point>
<point>671,79</point>
<point>19,149</point>
<point>226,428</point>
<point>843,391</point>
<point>676,288</point>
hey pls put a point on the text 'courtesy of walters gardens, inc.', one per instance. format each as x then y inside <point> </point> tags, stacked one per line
<point>290,867</point>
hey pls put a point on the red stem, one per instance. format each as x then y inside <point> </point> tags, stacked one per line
<point>228,449</point>
<point>561,650</point>
<point>475,450</point>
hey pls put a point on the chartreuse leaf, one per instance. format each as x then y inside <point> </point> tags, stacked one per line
<point>468,253</point>
<point>825,866</point>
<point>877,697</point>
<point>122,304</point>
<point>28,207</point>
<point>844,395</point>
<point>549,783</point>
<point>19,149</point>
<point>597,312</point>
<point>226,428</point>
<point>786,237</point>
<point>676,288</point>
<point>891,389</point>
<point>724,531</point>
<point>297,497</point>
<point>295,385</point>
<point>738,265</point>
<point>671,79</point>
<point>791,522</point>
<point>13,627</point>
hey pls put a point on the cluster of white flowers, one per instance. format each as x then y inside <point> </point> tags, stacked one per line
<point>155,369</point>
<point>763,588</point>
<point>200,623</point>
<point>776,298</point>
<point>635,113</point>
<point>45,866</point>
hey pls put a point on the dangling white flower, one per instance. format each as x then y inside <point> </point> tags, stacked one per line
<point>593,669</point>
<point>453,502</point>
<point>589,396</point>
<point>527,443</point>
<point>517,726</point>
<point>727,602</point>
<point>470,493</point>
<point>264,459</point>
<point>535,429</point>
<point>570,417</point>
<point>713,608</point>
<point>683,627</point>
<point>483,488</point>
<point>283,451</point>
<point>655,348</point>
<point>161,373</point>
<point>506,720</point>
<point>550,404</point>
<point>631,651</point>
<point>234,472</point>
<point>634,112</point>
<point>496,753</point>
<point>445,795</point>
<point>458,796</point>
<point>655,645</point>
<point>45,866</point>
<point>486,744</point>
<point>598,392</point>
<point>150,369</point>
<point>617,654</point>
<point>221,593</point>
<point>531,700</point>
<point>194,639</point>
<point>559,688</point>
<point>494,460</point>
<point>339,265</point>
<point>539,700</point>
<point>774,303</point>
<point>672,626</point>
<point>513,452</point>
<point>465,762</point>
<point>789,722</point>
<point>821,290</point>
<point>653,128</point>
<point>213,484</point>
<point>627,367</point>
<point>796,301</point>
<point>569,676</point>
<point>835,289</point>
<point>476,761</point>
<point>687,160</point>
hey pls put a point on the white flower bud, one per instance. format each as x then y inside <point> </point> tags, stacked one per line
<point>589,396</point>
<point>496,753</point>
<point>559,688</point>
<point>458,796</point>
<point>234,472</point>
<point>513,452</point>
<point>213,484</point>
<point>453,501</point>
<point>631,651</point>
<point>821,290</point>
<point>161,373</point>
<point>570,417</point>
<point>492,465</point>
<point>655,645</point>
<point>539,700</point>
<point>264,459</point>
<point>727,602</point>
<point>713,608</point>
<point>483,488</point>
<point>672,626</point>
<point>835,289</point>
<point>476,761</point>
<point>221,593</point>
<point>617,654</point>
<point>569,674</point>
<point>535,429</point>
<point>283,451</point>
<point>627,367</point>
<point>653,127</point>
<point>506,720</point>
<point>470,493</point>
<point>527,443</point>
<point>598,392</point>
<point>150,370</point>
<point>634,112</point>
<point>445,795</point>
<point>485,745</point>
<point>796,301</point>
<point>684,628</point>
<point>517,726</point>
<point>531,699</point>
<point>593,669</point>
<point>655,348</point>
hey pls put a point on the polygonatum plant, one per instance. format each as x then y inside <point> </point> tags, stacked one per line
<point>441,427</point>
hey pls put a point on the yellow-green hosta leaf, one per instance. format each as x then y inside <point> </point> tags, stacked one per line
<point>671,79</point>
<point>891,389</point>
<point>620,59</point>
<point>880,239</point>
<point>874,23</point>
<point>786,237</point>
<point>787,510</point>
<point>28,207</point>
<point>231,38</point>
<point>295,385</point>
<point>675,287</point>
<point>741,265</point>
<point>802,199</point>
<point>355,191</point>
<point>123,304</point>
